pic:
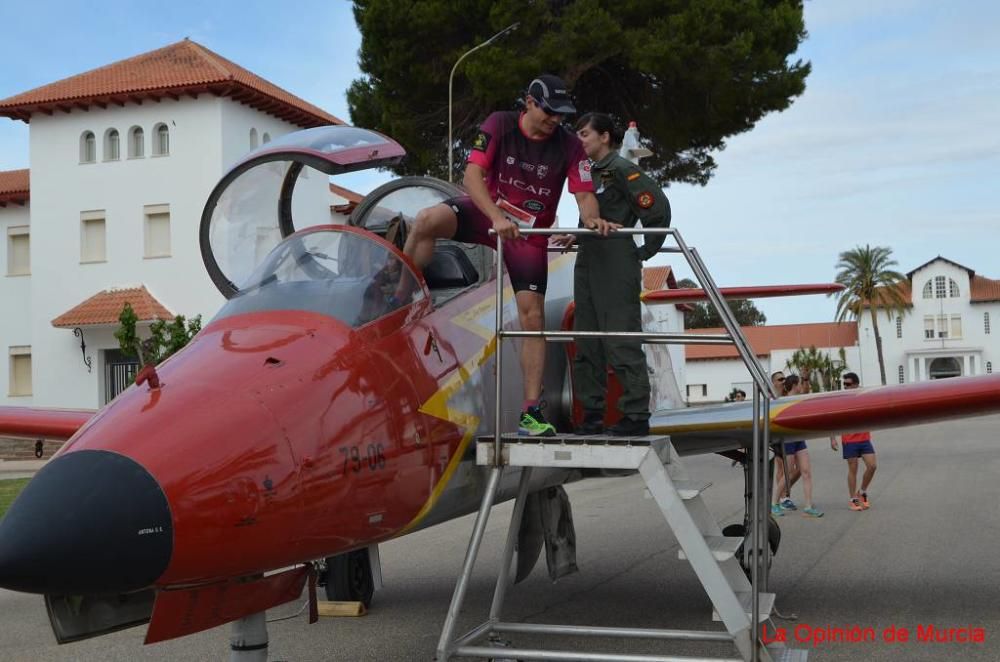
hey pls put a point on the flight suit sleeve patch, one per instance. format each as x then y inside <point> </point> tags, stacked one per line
<point>634,176</point>
<point>481,141</point>
<point>645,199</point>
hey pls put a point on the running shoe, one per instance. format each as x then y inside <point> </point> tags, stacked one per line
<point>776,510</point>
<point>788,504</point>
<point>533,424</point>
<point>855,504</point>
<point>812,512</point>
<point>864,501</point>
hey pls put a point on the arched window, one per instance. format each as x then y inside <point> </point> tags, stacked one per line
<point>939,287</point>
<point>929,290</point>
<point>112,151</point>
<point>88,147</point>
<point>900,374</point>
<point>161,140</point>
<point>952,288</point>
<point>266,138</point>
<point>136,143</point>
<point>253,139</point>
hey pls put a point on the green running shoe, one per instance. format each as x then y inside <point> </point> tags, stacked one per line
<point>533,424</point>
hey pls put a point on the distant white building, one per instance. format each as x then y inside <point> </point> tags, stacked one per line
<point>713,371</point>
<point>122,160</point>
<point>948,330</point>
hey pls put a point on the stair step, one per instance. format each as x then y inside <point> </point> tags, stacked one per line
<point>781,653</point>
<point>722,547</point>
<point>686,489</point>
<point>689,489</point>
<point>746,601</point>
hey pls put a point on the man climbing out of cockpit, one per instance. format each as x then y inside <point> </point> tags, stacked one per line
<point>514,178</point>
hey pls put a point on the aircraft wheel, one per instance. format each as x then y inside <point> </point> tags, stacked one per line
<point>349,578</point>
<point>773,539</point>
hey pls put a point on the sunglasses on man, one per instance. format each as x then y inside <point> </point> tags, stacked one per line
<point>850,384</point>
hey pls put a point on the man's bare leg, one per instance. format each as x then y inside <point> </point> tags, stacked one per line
<point>870,467</point>
<point>852,476</point>
<point>431,224</point>
<point>531,311</point>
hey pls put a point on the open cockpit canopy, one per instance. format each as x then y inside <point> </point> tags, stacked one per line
<point>277,189</point>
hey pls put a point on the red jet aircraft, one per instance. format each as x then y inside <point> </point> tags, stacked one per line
<point>313,419</point>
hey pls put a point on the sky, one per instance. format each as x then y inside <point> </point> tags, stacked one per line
<point>895,142</point>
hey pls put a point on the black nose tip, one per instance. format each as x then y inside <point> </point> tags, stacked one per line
<point>91,522</point>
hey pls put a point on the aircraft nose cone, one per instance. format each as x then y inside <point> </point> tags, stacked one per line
<point>91,522</point>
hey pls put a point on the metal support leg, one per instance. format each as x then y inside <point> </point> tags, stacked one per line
<point>508,551</point>
<point>248,639</point>
<point>458,597</point>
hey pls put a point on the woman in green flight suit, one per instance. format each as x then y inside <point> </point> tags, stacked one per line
<point>608,281</point>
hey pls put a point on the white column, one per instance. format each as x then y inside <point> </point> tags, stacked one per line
<point>966,367</point>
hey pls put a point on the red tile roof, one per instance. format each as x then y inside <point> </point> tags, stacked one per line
<point>185,67</point>
<point>105,307</point>
<point>346,193</point>
<point>14,187</point>
<point>984,289</point>
<point>658,278</point>
<point>765,339</point>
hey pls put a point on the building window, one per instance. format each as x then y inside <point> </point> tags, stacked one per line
<point>266,138</point>
<point>136,143</point>
<point>929,327</point>
<point>20,370</point>
<point>899,327</point>
<point>161,140</point>
<point>18,251</point>
<point>92,237</point>
<point>929,290</point>
<point>900,374</point>
<point>253,139</point>
<point>939,287</point>
<point>157,231</point>
<point>956,327</point>
<point>952,288</point>
<point>697,390</point>
<point>989,367</point>
<point>111,151</point>
<point>88,147</point>
<point>986,323</point>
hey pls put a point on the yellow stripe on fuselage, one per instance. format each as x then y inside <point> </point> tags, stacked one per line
<point>437,404</point>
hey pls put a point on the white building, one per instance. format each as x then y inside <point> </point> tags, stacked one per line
<point>122,160</point>
<point>713,371</point>
<point>947,331</point>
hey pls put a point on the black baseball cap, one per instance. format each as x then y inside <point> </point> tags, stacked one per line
<point>552,94</point>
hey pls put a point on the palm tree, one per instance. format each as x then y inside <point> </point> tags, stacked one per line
<point>869,282</point>
<point>823,372</point>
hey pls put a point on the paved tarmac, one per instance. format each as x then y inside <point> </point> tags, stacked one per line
<point>925,554</point>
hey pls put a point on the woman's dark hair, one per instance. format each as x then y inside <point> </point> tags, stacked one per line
<point>791,381</point>
<point>602,123</point>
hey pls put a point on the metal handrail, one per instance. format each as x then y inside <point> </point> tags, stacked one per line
<point>762,394</point>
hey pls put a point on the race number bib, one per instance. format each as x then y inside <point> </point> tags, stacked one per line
<point>516,214</point>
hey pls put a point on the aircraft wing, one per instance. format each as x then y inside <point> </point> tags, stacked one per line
<point>40,423</point>
<point>726,427</point>
<point>693,295</point>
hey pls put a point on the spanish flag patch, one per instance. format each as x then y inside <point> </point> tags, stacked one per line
<point>634,176</point>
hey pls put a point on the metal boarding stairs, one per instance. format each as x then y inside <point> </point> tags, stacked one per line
<point>738,601</point>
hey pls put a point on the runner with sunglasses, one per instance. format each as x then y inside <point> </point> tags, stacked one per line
<point>514,178</point>
<point>857,444</point>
